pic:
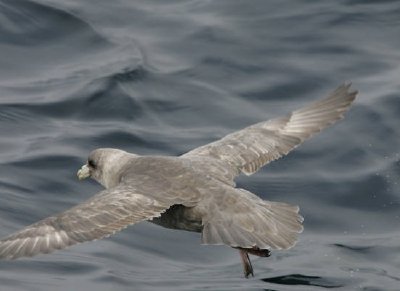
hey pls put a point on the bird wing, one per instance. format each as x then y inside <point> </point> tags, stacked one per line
<point>251,148</point>
<point>102,215</point>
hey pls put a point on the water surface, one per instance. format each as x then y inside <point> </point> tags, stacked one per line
<point>163,77</point>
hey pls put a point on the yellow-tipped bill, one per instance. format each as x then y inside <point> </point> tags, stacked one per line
<point>83,173</point>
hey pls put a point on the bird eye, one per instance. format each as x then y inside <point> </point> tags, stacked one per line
<point>91,164</point>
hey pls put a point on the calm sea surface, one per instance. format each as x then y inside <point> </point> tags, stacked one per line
<point>163,77</point>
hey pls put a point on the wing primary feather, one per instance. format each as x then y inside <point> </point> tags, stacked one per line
<point>251,148</point>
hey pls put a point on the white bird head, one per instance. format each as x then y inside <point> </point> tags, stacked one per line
<point>104,165</point>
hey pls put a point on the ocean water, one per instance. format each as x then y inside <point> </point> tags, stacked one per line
<point>163,77</point>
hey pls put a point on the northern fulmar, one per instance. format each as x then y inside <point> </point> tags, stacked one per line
<point>194,192</point>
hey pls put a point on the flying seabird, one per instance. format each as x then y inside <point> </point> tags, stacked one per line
<point>195,191</point>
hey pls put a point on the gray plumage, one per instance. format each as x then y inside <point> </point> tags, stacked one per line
<point>194,192</point>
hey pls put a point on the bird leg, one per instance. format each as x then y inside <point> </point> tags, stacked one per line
<point>247,267</point>
<point>244,255</point>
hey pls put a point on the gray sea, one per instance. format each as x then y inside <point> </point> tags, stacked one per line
<point>163,77</point>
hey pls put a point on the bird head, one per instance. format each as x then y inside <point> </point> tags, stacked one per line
<point>103,165</point>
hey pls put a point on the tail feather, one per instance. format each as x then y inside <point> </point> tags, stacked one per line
<point>253,223</point>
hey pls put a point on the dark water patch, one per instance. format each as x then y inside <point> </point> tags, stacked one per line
<point>391,104</point>
<point>373,271</point>
<point>30,23</point>
<point>38,40</point>
<point>104,105</point>
<point>123,139</point>
<point>231,65</point>
<point>370,255</point>
<point>113,279</point>
<point>14,187</point>
<point>59,54</point>
<point>298,279</point>
<point>380,272</point>
<point>368,65</point>
<point>360,249</point>
<point>45,162</point>
<point>347,18</point>
<point>372,2</point>
<point>161,105</point>
<point>214,34</point>
<point>365,197</point>
<point>102,100</point>
<point>302,87</point>
<point>61,109</point>
<point>111,256</point>
<point>131,74</point>
<point>53,268</point>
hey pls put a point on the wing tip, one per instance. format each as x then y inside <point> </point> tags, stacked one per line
<point>347,86</point>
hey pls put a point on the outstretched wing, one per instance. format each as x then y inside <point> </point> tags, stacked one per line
<point>104,214</point>
<point>251,148</point>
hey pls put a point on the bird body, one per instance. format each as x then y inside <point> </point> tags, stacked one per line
<point>193,192</point>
